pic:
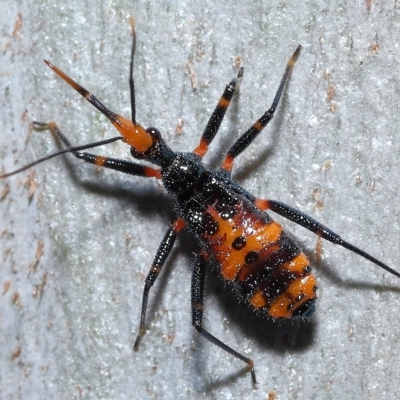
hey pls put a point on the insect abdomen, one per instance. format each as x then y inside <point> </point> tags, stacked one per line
<point>264,265</point>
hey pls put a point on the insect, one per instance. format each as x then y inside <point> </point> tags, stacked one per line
<point>251,252</point>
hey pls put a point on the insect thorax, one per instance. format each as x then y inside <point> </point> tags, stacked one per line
<point>183,175</point>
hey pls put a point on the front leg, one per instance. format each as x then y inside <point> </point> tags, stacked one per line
<point>127,167</point>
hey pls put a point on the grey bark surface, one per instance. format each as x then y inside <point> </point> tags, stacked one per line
<point>78,241</point>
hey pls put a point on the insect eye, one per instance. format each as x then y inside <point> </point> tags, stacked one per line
<point>154,133</point>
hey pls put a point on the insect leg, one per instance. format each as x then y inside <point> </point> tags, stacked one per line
<point>197,290</point>
<point>247,138</point>
<point>161,256</point>
<point>126,167</point>
<point>217,116</point>
<point>319,229</point>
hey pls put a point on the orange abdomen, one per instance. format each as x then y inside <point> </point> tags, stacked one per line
<point>265,266</point>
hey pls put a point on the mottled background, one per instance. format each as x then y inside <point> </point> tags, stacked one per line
<point>77,241</point>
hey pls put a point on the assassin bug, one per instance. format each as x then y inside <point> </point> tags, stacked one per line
<point>263,264</point>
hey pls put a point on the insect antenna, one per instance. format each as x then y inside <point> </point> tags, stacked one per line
<point>134,134</point>
<point>70,149</point>
<point>131,80</point>
<point>90,97</point>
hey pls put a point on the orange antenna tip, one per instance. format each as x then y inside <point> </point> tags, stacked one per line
<point>132,23</point>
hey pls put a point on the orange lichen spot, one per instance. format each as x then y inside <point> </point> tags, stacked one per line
<point>4,192</point>
<point>331,92</point>
<point>16,353</point>
<point>257,300</point>
<point>31,184</point>
<point>38,255</point>
<point>6,286</point>
<point>16,299</point>
<point>374,47</point>
<point>179,126</point>
<point>272,395</point>
<point>294,296</point>
<point>192,75</point>
<point>17,25</point>
<point>319,250</point>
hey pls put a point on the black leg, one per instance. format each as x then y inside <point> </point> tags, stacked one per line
<point>217,116</point>
<point>247,138</point>
<point>198,277</point>
<point>319,229</point>
<point>126,167</point>
<point>161,256</point>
